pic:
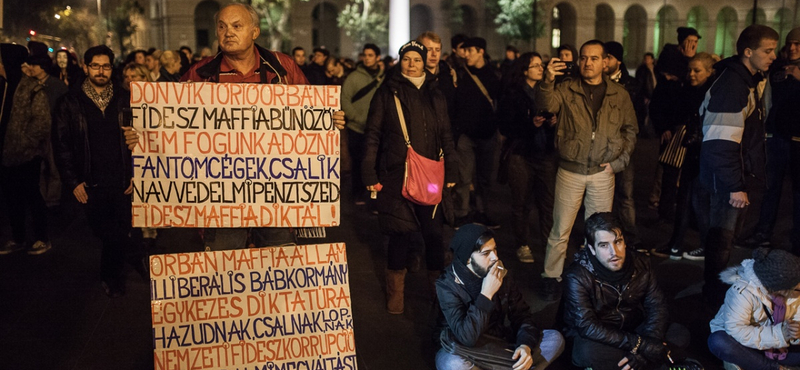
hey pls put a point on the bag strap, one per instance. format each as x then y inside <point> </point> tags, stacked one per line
<point>365,90</point>
<point>402,119</point>
<point>481,87</point>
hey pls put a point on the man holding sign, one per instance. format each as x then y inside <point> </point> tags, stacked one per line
<point>242,61</point>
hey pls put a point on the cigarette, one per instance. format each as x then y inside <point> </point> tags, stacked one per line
<point>670,359</point>
<point>500,267</point>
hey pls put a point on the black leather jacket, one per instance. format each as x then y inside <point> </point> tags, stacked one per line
<point>612,315</point>
<point>71,140</point>
<point>469,319</point>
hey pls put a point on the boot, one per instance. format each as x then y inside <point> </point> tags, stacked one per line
<point>395,285</point>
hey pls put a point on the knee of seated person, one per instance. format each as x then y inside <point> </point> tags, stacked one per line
<point>554,339</point>
<point>719,343</point>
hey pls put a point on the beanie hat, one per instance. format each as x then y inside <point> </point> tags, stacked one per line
<point>464,241</point>
<point>414,46</point>
<point>477,42</point>
<point>614,48</point>
<point>794,35</point>
<point>777,269</point>
<point>684,32</point>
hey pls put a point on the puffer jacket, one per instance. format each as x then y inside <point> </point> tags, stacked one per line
<point>29,126</point>
<point>71,137</point>
<point>601,312</point>
<point>584,143</point>
<point>425,112</point>
<point>469,319</point>
<point>747,312</point>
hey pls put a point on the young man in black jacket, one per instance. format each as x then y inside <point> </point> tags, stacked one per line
<point>477,298</point>
<point>614,311</point>
<point>475,131</point>
<point>95,163</point>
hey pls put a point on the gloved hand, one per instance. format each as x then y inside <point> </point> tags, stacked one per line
<point>632,362</point>
<point>654,350</point>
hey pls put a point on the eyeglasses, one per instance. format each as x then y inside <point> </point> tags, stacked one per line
<point>97,67</point>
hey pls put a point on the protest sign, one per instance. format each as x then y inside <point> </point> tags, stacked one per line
<point>235,155</point>
<point>278,308</point>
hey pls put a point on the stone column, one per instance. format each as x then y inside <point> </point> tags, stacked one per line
<point>399,25</point>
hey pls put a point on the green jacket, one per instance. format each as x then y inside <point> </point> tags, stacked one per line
<point>356,113</point>
<point>584,142</point>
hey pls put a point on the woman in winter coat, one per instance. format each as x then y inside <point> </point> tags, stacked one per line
<point>425,112</point>
<point>700,78</point>
<point>531,161</point>
<point>758,326</point>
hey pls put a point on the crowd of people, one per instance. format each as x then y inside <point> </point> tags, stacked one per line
<point>559,131</point>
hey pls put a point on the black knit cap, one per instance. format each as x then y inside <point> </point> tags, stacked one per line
<point>465,239</point>
<point>777,269</point>
<point>414,46</point>
<point>477,42</point>
<point>614,48</point>
<point>684,32</point>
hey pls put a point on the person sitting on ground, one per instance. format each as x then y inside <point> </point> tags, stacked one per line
<point>478,298</point>
<point>614,311</point>
<point>758,326</point>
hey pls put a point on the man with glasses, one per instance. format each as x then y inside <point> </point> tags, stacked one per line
<point>95,163</point>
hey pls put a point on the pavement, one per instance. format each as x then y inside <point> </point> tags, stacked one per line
<point>55,315</point>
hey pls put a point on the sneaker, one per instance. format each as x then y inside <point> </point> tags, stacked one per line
<point>11,247</point>
<point>687,364</point>
<point>39,247</point>
<point>675,254</point>
<point>698,254</point>
<point>551,289</point>
<point>524,254</point>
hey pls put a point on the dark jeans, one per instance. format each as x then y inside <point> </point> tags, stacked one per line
<point>477,159</point>
<point>728,349</point>
<point>532,179</point>
<point>624,207</point>
<point>600,356</point>
<point>355,144</point>
<point>109,216</point>
<point>717,221</point>
<point>21,189</point>
<point>778,159</point>
<point>431,228</point>
<point>669,191</point>
<point>683,211</point>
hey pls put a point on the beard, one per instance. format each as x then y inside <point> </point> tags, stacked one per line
<point>480,271</point>
<point>99,80</point>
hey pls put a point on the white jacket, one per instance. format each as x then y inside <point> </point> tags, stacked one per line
<point>747,310</point>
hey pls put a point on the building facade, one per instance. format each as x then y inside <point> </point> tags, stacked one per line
<point>643,26</point>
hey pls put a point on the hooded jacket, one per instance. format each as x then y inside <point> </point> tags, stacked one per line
<point>733,129</point>
<point>28,132</point>
<point>585,142</point>
<point>746,314</point>
<point>468,319</point>
<point>599,311</point>
<point>425,112</point>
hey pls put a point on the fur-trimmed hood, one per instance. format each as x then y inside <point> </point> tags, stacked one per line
<point>744,277</point>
